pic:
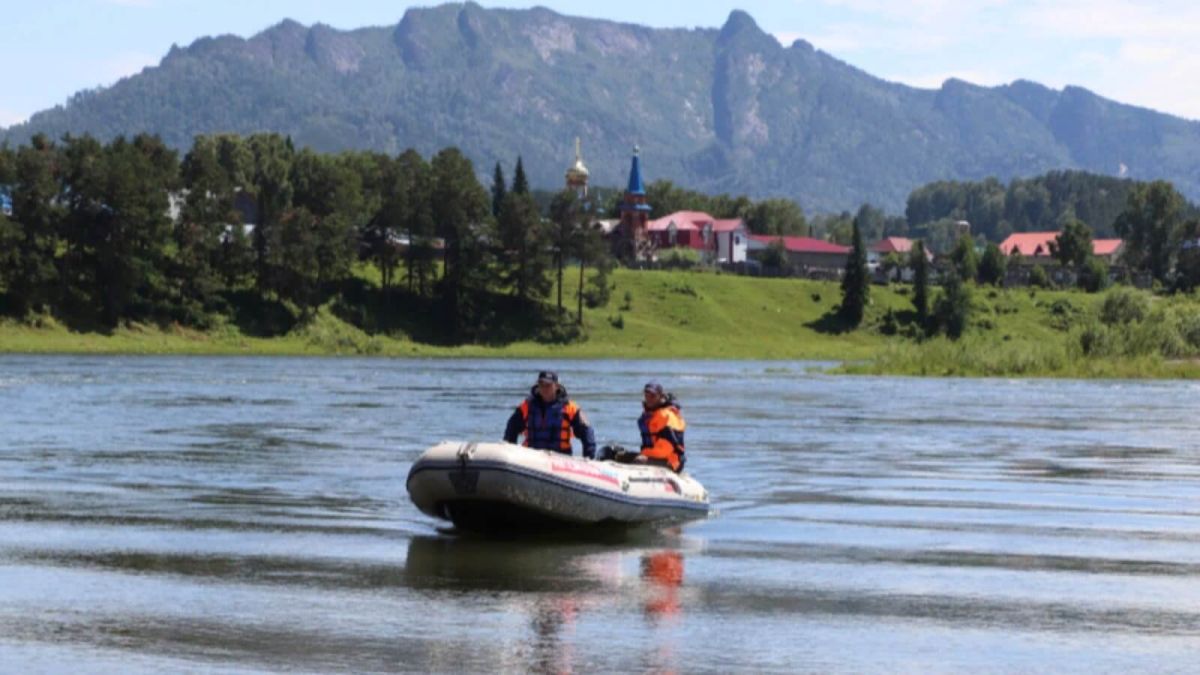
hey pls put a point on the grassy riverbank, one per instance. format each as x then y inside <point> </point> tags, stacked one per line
<point>1018,332</point>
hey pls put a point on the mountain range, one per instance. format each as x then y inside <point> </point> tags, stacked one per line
<point>717,110</point>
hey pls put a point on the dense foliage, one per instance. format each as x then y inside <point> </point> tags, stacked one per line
<point>253,231</point>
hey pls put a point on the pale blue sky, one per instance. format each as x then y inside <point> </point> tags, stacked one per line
<point>1143,53</point>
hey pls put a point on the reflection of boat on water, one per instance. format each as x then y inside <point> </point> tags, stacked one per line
<point>499,485</point>
<point>488,564</point>
<point>555,584</point>
<point>663,572</point>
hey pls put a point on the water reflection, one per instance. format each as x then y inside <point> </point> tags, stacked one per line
<point>564,589</point>
<point>663,573</point>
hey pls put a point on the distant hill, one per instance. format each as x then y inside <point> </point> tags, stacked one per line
<point>726,110</point>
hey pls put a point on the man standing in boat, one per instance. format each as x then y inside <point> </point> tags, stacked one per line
<point>548,419</point>
<point>662,428</point>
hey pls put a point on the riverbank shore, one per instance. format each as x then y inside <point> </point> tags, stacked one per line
<point>692,315</point>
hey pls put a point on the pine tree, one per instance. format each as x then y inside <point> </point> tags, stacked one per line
<point>855,284</point>
<point>498,190</point>
<point>520,184</point>
<point>920,265</point>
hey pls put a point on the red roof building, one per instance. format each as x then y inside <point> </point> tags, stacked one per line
<point>1036,246</point>
<point>721,240</point>
<point>893,245</point>
<point>806,252</point>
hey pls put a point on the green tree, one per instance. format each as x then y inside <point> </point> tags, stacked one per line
<point>461,210</point>
<point>953,308</point>
<point>1073,246</point>
<point>965,261</point>
<point>992,266</point>
<point>871,221</point>
<point>592,250</point>
<point>775,256</point>
<point>1187,270</point>
<point>499,190</point>
<point>292,248</point>
<point>520,184</point>
<point>838,229</point>
<point>31,238</point>
<point>1093,275</point>
<point>272,187</point>
<point>121,232</point>
<point>566,229</point>
<point>920,266</point>
<point>330,189</point>
<point>855,284</point>
<point>523,252</point>
<point>413,213</point>
<point>1038,277</point>
<point>210,226</point>
<point>1150,225</point>
<point>776,217</point>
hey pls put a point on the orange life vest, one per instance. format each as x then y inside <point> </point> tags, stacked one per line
<point>657,442</point>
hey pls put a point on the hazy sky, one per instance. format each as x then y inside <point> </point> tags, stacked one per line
<point>1143,53</point>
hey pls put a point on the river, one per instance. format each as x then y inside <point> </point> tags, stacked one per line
<point>250,514</point>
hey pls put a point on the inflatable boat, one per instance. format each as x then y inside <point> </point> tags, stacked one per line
<point>487,486</point>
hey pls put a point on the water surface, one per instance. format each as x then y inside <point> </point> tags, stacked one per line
<point>249,514</point>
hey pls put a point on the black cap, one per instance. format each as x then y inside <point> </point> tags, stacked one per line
<point>548,376</point>
<point>654,387</point>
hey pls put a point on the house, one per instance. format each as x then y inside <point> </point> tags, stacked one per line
<point>1035,247</point>
<point>901,246</point>
<point>718,240</point>
<point>806,254</point>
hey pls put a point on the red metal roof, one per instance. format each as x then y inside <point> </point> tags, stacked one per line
<point>893,245</point>
<point>802,244</point>
<point>1028,243</point>
<point>694,220</point>
<point>1038,244</point>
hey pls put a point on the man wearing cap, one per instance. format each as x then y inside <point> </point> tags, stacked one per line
<point>662,428</point>
<point>548,418</point>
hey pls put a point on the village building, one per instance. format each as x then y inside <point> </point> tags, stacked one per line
<point>717,240</point>
<point>631,240</point>
<point>901,246</point>
<point>577,174</point>
<point>1035,248</point>
<point>807,256</point>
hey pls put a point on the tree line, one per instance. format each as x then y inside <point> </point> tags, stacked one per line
<point>101,234</point>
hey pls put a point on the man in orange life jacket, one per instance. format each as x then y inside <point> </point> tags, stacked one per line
<point>548,418</point>
<point>662,428</point>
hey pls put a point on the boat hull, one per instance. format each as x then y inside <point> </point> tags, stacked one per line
<point>485,486</point>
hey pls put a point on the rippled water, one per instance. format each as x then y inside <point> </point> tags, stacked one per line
<point>250,514</point>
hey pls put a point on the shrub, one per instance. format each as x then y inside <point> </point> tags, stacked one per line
<point>953,308</point>
<point>1038,277</point>
<point>890,325</point>
<point>1096,340</point>
<point>1189,328</point>
<point>680,258</point>
<point>1124,305</point>
<point>1093,276</point>
<point>1062,313</point>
